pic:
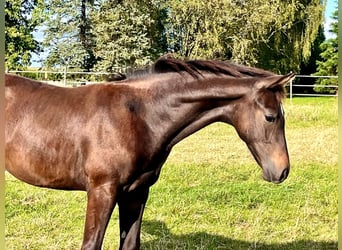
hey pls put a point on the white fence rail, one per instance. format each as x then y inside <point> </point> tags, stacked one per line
<point>64,78</point>
<point>72,79</point>
<point>292,84</point>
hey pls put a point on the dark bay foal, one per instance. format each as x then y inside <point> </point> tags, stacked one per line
<point>112,139</point>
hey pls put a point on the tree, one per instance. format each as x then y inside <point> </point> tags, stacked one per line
<point>328,65</point>
<point>67,35</point>
<point>275,34</point>
<point>126,34</point>
<point>310,66</point>
<point>21,19</point>
<point>103,35</point>
<point>195,28</point>
<point>289,40</point>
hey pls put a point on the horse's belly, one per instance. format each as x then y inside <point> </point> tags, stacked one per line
<point>43,166</point>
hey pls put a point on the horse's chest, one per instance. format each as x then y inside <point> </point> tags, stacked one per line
<point>143,181</point>
<point>148,177</point>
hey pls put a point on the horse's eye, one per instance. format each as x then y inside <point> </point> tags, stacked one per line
<point>270,118</point>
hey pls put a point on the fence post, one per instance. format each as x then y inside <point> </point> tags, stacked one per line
<point>291,82</point>
<point>65,75</point>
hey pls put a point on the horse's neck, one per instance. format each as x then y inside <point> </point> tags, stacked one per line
<point>186,107</point>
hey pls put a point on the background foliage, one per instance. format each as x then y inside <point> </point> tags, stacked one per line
<point>327,65</point>
<point>125,34</point>
<point>102,35</point>
<point>21,19</point>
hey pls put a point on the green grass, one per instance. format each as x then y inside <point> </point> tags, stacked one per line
<point>210,195</point>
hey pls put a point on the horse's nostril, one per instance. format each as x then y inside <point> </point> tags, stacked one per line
<point>284,174</point>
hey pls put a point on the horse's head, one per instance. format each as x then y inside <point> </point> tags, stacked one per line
<point>260,123</point>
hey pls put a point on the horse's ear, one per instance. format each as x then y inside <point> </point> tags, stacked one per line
<point>276,81</point>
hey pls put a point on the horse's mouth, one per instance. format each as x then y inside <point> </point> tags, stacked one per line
<point>267,176</point>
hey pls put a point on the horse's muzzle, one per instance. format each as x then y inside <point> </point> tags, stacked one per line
<point>269,176</point>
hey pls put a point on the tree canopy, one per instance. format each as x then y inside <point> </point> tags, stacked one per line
<point>124,34</point>
<point>67,34</point>
<point>275,34</point>
<point>21,19</point>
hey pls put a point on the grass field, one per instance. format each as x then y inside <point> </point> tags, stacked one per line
<point>210,195</point>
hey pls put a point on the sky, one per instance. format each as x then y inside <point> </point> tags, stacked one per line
<point>331,6</point>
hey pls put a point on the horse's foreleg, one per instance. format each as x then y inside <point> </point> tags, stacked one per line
<point>101,202</point>
<point>131,209</point>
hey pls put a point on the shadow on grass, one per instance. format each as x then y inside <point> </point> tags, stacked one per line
<point>164,239</point>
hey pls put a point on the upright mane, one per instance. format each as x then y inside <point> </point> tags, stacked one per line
<point>196,67</point>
